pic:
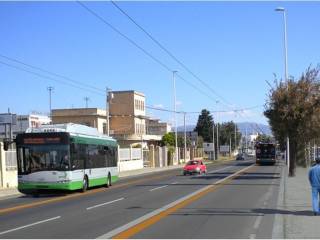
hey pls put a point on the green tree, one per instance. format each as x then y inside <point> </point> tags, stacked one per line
<point>168,139</point>
<point>226,132</point>
<point>204,125</point>
<point>264,138</point>
<point>293,110</point>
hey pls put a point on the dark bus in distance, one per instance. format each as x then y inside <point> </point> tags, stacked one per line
<point>265,153</point>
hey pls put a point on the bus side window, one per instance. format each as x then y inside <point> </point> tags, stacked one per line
<point>77,156</point>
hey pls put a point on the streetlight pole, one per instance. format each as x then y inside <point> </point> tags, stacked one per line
<point>175,112</point>
<point>281,9</point>
<point>213,145</point>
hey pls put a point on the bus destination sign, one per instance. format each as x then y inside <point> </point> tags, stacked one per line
<point>42,140</point>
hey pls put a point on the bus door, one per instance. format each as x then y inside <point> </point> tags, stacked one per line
<point>78,158</point>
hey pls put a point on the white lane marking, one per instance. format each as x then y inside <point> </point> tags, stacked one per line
<point>174,183</point>
<point>257,222</point>
<point>106,203</point>
<point>220,169</point>
<point>158,188</point>
<point>29,225</point>
<point>118,230</point>
<point>252,236</point>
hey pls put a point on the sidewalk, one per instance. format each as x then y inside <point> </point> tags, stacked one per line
<point>294,217</point>
<point>6,193</point>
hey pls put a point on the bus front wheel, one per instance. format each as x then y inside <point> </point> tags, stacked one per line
<point>85,184</point>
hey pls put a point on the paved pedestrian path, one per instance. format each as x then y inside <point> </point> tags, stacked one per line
<point>294,216</point>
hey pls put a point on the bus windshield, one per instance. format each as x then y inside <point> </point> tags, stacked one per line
<point>33,158</point>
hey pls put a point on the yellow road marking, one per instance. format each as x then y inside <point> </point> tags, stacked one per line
<point>152,220</point>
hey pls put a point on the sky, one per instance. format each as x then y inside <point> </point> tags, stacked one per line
<point>234,48</point>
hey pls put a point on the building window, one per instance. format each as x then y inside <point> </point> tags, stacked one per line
<point>104,128</point>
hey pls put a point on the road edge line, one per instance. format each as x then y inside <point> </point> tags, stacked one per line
<point>279,221</point>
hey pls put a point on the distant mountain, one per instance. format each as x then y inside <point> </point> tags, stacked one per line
<point>251,127</point>
<point>189,128</point>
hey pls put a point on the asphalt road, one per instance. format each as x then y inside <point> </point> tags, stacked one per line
<point>233,200</point>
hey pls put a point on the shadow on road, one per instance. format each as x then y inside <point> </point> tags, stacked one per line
<point>239,212</point>
<point>266,211</point>
<point>245,176</point>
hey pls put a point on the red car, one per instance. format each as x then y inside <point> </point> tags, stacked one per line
<point>194,166</point>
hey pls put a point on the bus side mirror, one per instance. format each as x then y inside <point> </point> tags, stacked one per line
<point>6,144</point>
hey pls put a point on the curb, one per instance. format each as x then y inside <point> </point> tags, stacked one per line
<point>278,230</point>
<point>9,196</point>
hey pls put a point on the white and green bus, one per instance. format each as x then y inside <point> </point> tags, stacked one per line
<point>65,157</point>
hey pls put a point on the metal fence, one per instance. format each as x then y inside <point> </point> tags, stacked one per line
<point>11,160</point>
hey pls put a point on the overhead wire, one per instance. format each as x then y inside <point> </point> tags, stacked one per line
<point>168,52</point>
<point>140,48</point>
<point>50,78</point>
<point>93,91</point>
<point>48,72</point>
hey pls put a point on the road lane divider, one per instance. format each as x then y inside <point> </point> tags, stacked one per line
<point>103,204</point>
<point>153,189</point>
<point>132,228</point>
<point>29,225</point>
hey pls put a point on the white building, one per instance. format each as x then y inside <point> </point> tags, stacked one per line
<point>23,122</point>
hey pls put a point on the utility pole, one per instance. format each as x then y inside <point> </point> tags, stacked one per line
<point>108,98</point>
<point>218,150</point>
<point>185,137</point>
<point>175,112</point>
<point>213,145</point>
<point>86,99</point>
<point>246,140</point>
<point>235,136</point>
<point>50,89</point>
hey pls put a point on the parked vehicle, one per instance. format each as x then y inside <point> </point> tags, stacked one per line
<point>240,156</point>
<point>194,166</point>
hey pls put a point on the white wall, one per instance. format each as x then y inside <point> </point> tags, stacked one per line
<point>8,176</point>
<point>130,159</point>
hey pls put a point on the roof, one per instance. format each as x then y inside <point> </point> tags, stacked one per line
<point>72,128</point>
<point>129,91</point>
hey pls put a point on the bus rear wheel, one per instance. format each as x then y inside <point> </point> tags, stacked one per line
<point>85,184</point>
